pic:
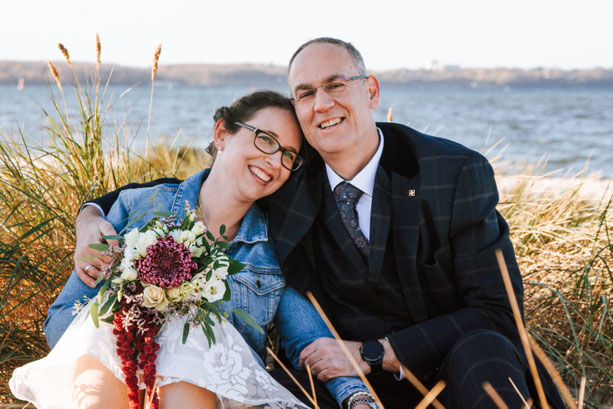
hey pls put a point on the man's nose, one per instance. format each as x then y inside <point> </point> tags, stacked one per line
<point>323,101</point>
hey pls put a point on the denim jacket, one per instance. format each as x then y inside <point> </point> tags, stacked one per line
<point>258,288</point>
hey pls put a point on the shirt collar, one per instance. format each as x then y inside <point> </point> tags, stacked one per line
<point>365,179</point>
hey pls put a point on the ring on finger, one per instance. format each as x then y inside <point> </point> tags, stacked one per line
<point>87,268</point>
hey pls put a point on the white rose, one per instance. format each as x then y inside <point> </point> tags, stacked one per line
<point>174,294</point>
<point>155,297</point>
<point>198,229</point>
<point>186,288</point>
<point>129,274</point>
<point>131,238</point>
<point>214,290</point>
<point>145,240</point>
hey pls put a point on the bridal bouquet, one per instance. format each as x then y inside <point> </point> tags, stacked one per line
<point>172,266</point>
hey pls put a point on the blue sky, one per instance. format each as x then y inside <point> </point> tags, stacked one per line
<point>390,34</point>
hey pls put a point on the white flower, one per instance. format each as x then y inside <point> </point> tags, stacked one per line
<point>196,250</point>
<point>174,294</point>
<point>214,290</point>
<point>198,229</point>
<point>176,235</point>
<point>155,297</point>
<point>129,274</point>
<point>188,237</point>
<point>131,238</point>
<point>145,240</point>
<point>186,288</point>
<point>221,272</point>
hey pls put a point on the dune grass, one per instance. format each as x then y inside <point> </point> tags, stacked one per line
<point>563,242</point>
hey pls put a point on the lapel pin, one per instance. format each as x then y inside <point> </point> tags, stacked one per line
<point>412,192</point>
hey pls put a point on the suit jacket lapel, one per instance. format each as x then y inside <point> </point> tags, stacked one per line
<point>380,217</point>
<point>402,165</point>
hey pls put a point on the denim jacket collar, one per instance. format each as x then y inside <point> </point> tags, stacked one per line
<point>254,227</point>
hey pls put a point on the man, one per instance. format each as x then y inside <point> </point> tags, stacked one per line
<point>395,233</point>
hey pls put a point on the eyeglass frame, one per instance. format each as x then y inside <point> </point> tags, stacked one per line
<point>257,131</point>
<point>322,86</point>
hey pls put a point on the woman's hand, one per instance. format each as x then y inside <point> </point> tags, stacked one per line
<point>90,226</point>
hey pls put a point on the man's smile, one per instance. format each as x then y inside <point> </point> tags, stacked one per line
<point>330,122</point>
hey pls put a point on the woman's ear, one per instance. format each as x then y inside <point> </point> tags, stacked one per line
<point>219,134</point>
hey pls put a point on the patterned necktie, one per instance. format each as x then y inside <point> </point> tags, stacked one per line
<point>347,197</point>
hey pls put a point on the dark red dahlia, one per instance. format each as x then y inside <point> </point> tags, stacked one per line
<point>167,264</point>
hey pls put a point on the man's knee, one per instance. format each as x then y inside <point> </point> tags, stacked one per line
<point>481,342</point>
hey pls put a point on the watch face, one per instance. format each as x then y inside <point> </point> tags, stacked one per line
<point>372,351</point>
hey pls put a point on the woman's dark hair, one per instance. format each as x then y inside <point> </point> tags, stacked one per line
<point>244,108</point>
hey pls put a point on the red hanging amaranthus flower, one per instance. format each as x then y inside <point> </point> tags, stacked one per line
<point>138,350</point>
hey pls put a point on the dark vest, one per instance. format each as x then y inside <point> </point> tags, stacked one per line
<point>361,306</point>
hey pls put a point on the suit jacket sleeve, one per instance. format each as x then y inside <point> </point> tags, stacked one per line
<point>475,230</point>
<point>106,202</point>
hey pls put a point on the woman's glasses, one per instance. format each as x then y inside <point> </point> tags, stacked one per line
<point>269,145</point>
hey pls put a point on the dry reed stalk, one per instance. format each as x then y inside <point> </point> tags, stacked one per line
<point>521,329</point>
<point>582,392</point>
<point>519,393</point>
<point>419,386</point>
<point>390,115</point>
<point>308,369</point>
<point>98,51</point>
<point>55,75</point>
<point>312,400</point>
<point>154,69</point>
<point>156,57</point>
<point>354,364</point>
<point>431,395</point>
<point>65,52</point>
<point>489,389</point>
<point>555,376</point>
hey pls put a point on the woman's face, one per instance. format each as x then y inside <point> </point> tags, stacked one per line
<point>251,173</point>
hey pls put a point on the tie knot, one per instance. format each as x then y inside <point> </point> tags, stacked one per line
<point>346,192</point>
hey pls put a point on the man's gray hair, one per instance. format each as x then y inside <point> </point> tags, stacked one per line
<point>353,52</point>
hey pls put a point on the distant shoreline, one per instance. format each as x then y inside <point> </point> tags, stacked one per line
<point>258,75</point>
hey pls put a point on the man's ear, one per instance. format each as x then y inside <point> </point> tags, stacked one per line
<point>219,134</point>
<point>373,91</point>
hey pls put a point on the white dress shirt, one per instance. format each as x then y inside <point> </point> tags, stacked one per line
<point>365,181</point>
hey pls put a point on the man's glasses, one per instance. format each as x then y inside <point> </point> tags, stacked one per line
<point>268,144</point>
<point>334,88</point>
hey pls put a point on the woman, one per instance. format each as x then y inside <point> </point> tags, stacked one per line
<point>257,140</point>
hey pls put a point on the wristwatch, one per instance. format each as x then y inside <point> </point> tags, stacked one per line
<point>372,352</point>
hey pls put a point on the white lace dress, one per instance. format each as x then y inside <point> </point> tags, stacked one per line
<point>228,368</point>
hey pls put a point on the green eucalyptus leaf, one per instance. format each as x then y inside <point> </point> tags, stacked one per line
<point>108,304</point>
<point>248,319</point>
<point>109,319</point>
<point>99,246</point>
<point>164,214</point>
<point>113,237</point>
<point>227,296</point>
<point>93,311</point>
<point>222,229</point>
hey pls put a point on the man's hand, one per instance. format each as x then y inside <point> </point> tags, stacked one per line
<point>327,360</point>
<point>90,226</point>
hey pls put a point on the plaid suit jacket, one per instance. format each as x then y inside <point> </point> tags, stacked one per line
<point>438,200</point>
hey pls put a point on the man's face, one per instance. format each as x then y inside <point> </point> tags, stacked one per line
<point>336,125</point>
